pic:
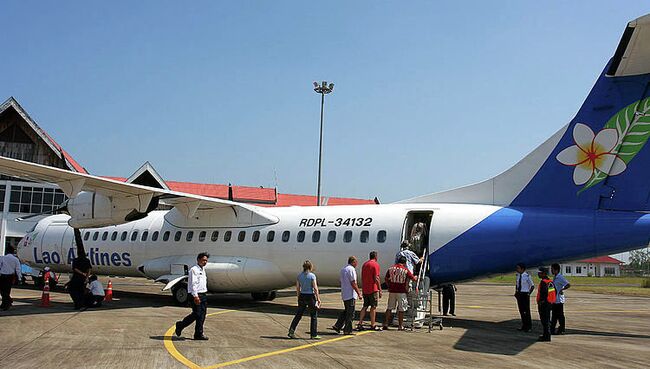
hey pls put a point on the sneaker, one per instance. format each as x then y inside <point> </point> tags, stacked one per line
<point>317,337</point>
<point>178,330</point>
<point>291,335</point>
<point>337,330</point>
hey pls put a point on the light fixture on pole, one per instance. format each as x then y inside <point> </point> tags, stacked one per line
<point>322,89</point>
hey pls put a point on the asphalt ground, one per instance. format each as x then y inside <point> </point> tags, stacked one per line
<point>135,331</point>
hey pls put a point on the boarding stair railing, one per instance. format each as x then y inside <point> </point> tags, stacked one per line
<point>421,310</point>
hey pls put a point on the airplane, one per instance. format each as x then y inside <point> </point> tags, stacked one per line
<point>584,192</point>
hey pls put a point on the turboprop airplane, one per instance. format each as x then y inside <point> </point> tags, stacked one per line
<point>583,192</point>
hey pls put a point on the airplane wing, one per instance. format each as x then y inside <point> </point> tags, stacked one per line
<point>72,183</point>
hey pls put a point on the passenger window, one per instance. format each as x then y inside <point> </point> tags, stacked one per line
<point>202,236</point>
<point>215,236</point>
<point>104,236</point>
<point>95,236</point>
<point>114,236</point>
<point>123,236</point>
<point>347,236</point>
<point>145,234</point>
<point>364,236</point>
<point>301,236</point>
<point>154,236</point>
<point>86,236</point>
<point>381,236</point>
<point>285,236</point>
<point>134,235</point>
<point>241,236</point>
<point>227,236</point>
<point>331,236</point>
<point>178,235</point>
<point>189,236</point>
<point>166,236</point>
<point>256,236</point>
<point>270,236</point>
<point>315,237</point>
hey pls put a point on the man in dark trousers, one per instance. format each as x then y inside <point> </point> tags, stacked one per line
<point>545,299</point>
<point>561,284</point>
<point>197,287</point>
<point>449,299</point>
<point>77,286</point>
<point>523,288</point>
<point>9,271</point>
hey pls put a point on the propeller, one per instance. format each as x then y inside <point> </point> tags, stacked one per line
<point>61,209</point>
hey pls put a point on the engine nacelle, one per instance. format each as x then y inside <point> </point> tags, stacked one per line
<point>92,210</point>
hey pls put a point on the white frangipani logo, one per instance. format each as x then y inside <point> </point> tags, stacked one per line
<point>592,154</point>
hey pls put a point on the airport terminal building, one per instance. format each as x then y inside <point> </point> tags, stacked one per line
<point>21,138</point>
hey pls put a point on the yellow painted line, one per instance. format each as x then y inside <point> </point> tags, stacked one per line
<point>169,344</point>
<point>284,351</point>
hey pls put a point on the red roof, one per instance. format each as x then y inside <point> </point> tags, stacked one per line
<point>67,157</point>
<point>602,259</point>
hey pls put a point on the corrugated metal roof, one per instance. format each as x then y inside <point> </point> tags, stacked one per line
<point>601,259</point>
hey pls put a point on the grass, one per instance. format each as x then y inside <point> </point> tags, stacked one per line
<point>628,286</point>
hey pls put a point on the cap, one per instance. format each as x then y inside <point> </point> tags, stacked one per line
<point>47,269</point>
<point>543,270</point>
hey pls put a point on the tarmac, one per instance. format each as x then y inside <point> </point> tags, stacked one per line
<point>135,331</point>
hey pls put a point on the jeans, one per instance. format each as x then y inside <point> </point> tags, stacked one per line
<point>346,316</point>
<point>306,301</point>
<point>198,315</point>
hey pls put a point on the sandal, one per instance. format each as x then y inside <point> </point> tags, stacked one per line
<point>374,328</point>
<point>359,327</point>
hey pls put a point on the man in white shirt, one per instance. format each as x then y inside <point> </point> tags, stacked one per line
<point>349,294</point>
<point>557,309</point>
<point>9,271</point>
<point>95,294</point>
<point>412,259</point>
<point>523,288</point>
<point>197,286</point>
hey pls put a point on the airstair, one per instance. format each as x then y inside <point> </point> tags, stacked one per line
<point>421,310</point>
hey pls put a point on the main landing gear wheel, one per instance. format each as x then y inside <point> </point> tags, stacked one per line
<point>264,296</point>
<point>179,293</point>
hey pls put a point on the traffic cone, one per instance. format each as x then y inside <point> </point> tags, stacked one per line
<point>45,297</point>
<point>109,292</point>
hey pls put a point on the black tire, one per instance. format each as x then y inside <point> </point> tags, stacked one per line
<point>179,293</point>
<point>272,296</point>
<point>264,296</point>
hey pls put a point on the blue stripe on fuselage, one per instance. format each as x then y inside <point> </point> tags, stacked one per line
<point>536,236</point>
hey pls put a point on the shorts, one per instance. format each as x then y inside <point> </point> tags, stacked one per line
<point>371,300</point>
<point>397,300</point>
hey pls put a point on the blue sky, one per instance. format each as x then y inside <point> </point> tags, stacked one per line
<point>428,96</point>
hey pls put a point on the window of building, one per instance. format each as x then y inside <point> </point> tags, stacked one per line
<point>215,236</point>
<point>315,237</point>
<point>2,197</point>
<point>567,269</point>
<point>29,199</point>
<point>270,236</point>
<point>178,235</point>
<point>241,236</point>
<point>381,236</point>
<point>331,236</point>
<point>610,270</point>
<point>134,235</point>
<point>154,236</point>
<point>256,236</point>
<point>364,236</point>
<point>189,236</point>
<point>227,236</point>
<point>86,236</point>
<point>114,236</point>
<point>347,236</point>
<point>202,236</point>
<point>166,236</point>
<point>285,236</point>
<point>123,236</point>
<point>301,236</point>
<point>578,270</point>
<point>145,235</point>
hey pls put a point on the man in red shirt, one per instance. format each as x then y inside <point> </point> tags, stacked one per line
<point>371,287</point>
<point>397,279</point>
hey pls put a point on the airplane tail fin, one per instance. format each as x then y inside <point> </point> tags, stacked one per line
<point>597,161</point>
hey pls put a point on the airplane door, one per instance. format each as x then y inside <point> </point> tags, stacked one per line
<point>416,230</point>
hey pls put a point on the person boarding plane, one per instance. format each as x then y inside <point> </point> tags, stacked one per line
<point>583,192</point>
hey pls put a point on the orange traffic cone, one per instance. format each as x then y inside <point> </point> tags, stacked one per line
<point>109,292</point>
<point>45,297</point>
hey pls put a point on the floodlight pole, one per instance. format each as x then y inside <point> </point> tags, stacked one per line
<point>322,89</point>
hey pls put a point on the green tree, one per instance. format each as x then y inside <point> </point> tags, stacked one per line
<point>640,259</point>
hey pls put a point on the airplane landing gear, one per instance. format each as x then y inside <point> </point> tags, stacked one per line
<point>264,296</point>
<point>179,293</point>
